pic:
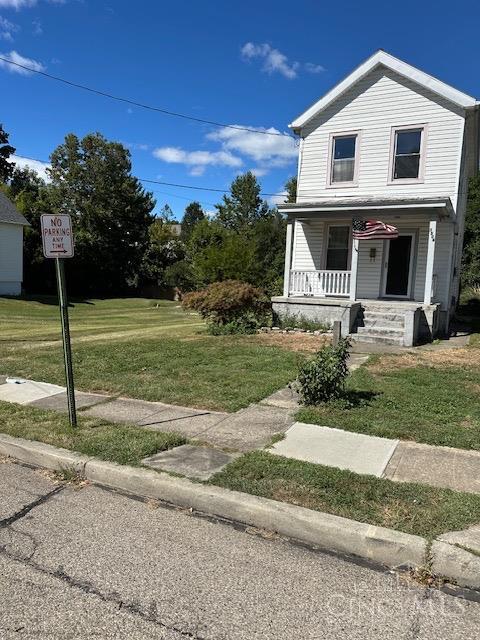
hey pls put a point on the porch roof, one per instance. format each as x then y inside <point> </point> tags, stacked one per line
<point>441,205</point>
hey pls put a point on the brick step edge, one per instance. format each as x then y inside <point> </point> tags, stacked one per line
<point>379,545</point>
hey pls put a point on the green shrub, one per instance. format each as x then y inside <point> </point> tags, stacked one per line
<point>230,307</point>
<point>290,320</point>
<point>323,378</point>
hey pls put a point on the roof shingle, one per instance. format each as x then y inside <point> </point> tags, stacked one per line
<point>9,212</point>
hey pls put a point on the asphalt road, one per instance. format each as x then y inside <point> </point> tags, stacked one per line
<point>83,562</point>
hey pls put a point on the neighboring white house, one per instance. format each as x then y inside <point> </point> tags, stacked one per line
<point>388,143</point>
<point>11,247</point>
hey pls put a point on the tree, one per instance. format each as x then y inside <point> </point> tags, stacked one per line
<point>244,205</point>
<point>33,197</point>
<point>192,216</point>
<point>163,250</point>
<point>110,210</point>
<point>471,240</point>
<point>291,189</point>
<point>6,150</point>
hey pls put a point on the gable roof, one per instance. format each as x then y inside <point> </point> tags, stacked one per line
<point>9,212</point>
<point>382,58</point>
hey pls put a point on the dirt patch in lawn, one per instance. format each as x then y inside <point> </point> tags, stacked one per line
<point>302,342</point>
<point>462,357</point>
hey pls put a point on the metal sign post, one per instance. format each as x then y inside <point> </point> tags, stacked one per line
<point>57,241</point>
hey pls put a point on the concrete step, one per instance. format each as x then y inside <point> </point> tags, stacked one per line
<point>389,318</point>
<point>395,332</point>
<point>389,308</point>
<point>365,337</point>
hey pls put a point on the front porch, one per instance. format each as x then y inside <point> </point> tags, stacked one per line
<point>389,288</point>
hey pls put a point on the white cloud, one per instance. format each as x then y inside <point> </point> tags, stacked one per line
<point>311,67</point>
<point>197,160</point>
<point>7,29</point>
<point>17,4</point>
<point>40,168</point>
<point>259,171</point>
<point>278,198</point>
<point>15,57</point>
<point>273,59</point>
<point>37,27</point>
<point>21,4</point>
<point>267,150</point>
<point>137,146</point>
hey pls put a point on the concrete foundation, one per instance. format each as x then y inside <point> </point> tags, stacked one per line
<point>327,310</point>
<point>399,322</point>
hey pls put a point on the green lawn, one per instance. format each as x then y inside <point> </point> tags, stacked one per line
<point>93,437</point>
<point>144,349</point>
<point>412,508</point>
<point>431,403</point>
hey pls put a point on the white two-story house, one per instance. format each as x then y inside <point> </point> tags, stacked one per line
<point>388,143</point>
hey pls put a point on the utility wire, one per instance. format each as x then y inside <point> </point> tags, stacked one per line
<point>149,181</point>
<point>140,104</point>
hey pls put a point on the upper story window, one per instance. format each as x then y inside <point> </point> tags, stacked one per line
<point>343,159</point>
<point>407,154</point>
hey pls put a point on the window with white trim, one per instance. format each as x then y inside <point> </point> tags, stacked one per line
<point>338,248</point>
<point>343,155</point>
<point>407,153</point>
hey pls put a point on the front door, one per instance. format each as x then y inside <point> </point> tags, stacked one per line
<point>398,266</point>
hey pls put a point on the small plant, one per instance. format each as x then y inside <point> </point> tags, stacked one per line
<point>292,321</point>
<point>230,307</point>
<point>323,378</point>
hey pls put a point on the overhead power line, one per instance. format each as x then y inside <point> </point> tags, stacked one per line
<point>142,105</point>
<point>150,181</point>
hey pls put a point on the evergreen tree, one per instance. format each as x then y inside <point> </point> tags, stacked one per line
<point>192,216</point>
<point>291,189</point>
<point>471,241</point>
<point>6,150</point>
<point>244,205</point>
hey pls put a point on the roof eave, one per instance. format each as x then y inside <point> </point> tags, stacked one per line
<point>380,58</point>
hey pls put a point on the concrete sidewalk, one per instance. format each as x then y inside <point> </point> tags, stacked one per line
<point>247,429</point>
<point>253,428</point>
<point>457,469</point>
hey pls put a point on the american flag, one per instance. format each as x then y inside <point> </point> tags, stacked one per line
<point>367,229</point>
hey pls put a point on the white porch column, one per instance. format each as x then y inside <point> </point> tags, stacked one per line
<point>288,258</point>
<point>354,269</point>
<point>432,236</point>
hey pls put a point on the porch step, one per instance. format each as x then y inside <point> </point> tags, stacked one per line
<point>376,330</point>
<point>376,338</point>
<point>387,317</point>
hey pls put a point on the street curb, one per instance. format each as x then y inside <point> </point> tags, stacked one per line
<point>387,547</point>
<point>456,563</point>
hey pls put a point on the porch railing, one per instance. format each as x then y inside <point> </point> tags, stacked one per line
<point>320,283</point>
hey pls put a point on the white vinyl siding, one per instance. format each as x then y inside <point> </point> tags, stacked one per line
<point>373,106</point>
<point>441,264</point>
<point>309,255</point>
<point>308,246</point>
<point>11,258</point>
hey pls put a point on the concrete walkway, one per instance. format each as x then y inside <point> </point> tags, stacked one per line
<point>249,428</point>
<point>400,461</point>
<point>253,428</point>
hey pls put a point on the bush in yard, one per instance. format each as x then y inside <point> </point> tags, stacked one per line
<point>230,307</point>
<point>323,378</point>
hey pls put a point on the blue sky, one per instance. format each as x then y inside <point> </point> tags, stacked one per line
<point>251,63</point>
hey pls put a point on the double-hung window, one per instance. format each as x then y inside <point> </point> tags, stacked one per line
<point>338,248</point>
<point>407,153</point>
<point>343,154</point>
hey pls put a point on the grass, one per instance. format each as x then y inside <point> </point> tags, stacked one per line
<point>433,400</point>
<point>412,508</point>
<point>141,348</point>
<point>92,437</point>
